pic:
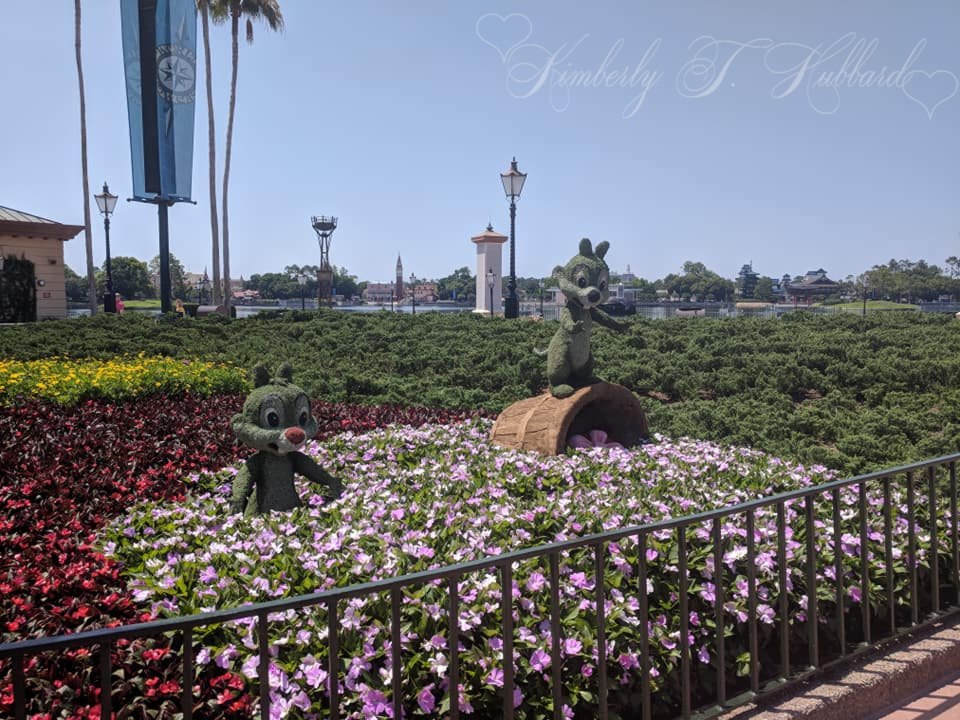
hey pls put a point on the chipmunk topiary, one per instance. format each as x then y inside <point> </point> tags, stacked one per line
<point>583,281</point>
<point>277,421</point>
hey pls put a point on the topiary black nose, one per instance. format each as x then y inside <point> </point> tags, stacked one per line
<point>593,295</point>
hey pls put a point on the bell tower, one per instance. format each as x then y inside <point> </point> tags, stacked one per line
<point>398,289</point>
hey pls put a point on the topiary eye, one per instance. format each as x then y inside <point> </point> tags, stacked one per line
<point>582,281</point>
<point>603,285</point>
<point>304,417</point>
<point>273,419</point>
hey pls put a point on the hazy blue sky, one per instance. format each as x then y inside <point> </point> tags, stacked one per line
<point>794,134</point>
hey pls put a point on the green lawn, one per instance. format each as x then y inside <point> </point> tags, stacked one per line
<point>142,304</point>
<point>876,305</point>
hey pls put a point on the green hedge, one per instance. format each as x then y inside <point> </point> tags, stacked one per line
<point>852,393</point>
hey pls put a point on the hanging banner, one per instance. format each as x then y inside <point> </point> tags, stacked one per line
<point>160,58</point>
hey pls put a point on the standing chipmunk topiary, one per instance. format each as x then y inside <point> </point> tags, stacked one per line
<point>277,421</point>
<point>584,283</point>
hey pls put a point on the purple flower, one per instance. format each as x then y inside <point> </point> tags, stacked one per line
<point>571,646</point>
<point>539,660</point>
<point>536,581</point>
<point>495,678</point>
<point>208,575</point>
<point>579,580</point>
<point>425,699</point>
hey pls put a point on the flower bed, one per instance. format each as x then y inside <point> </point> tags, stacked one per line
<point>67,471</point>
<point>67,381</point>
<point>421,499</point>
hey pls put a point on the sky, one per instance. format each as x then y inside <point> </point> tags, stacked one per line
<point>793,135</point>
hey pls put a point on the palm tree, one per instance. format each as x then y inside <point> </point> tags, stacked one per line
<point>217,9</point>
<point>269,12</point>
<point>91,279</point>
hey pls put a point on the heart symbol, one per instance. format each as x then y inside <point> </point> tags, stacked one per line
<point>927,89</point>
<point>501,28</point>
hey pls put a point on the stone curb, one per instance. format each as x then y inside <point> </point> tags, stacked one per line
<point>868,684</point>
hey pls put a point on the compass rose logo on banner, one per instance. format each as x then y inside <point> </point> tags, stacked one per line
<point>176,73</point>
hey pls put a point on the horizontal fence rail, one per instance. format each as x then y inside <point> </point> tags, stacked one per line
<point>924,492</point>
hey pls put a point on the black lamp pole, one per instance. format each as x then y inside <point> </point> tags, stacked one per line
<point>106,202</point>
<point>513,181</point>
<point>490,283</point>
<point>413,292</point>
<point>541,298</point>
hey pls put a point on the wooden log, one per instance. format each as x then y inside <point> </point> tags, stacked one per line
<point>544,423</point>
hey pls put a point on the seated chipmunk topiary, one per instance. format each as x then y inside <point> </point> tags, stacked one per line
<point>277,421</point>
<point>584,284</point>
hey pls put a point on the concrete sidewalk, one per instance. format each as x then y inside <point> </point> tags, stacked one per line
<point>914,678</point>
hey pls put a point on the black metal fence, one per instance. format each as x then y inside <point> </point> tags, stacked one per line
<point>904,523</point>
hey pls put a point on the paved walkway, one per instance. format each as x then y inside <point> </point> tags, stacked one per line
<point>915,678</point>
<point>939,701</point>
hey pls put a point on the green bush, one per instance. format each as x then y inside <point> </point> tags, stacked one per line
<point>854,393</point>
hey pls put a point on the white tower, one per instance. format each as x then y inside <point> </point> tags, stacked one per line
<point>489,257</point>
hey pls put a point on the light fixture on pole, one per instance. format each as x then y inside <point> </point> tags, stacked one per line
<point>413,292</point>
<point>513,181</point>
<point>491,279</point>
<point>302,279</point>
<point>202,284</point>
<point>541,298</point>
<point>106,202</point>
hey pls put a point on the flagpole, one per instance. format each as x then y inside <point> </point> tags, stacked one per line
<point>164,256</point>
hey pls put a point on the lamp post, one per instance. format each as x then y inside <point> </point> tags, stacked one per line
<point>202,284</point>
<point>513,181</point>
<point>413,292</point>
<point>864,295</point>
<point>106,202</point>
<point>302,279</point>
<point>490,282</point>
<point>541,298</point>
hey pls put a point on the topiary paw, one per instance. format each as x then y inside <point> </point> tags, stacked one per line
<point>561,391</point>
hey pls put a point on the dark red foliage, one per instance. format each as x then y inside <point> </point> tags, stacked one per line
<point>64,473</point>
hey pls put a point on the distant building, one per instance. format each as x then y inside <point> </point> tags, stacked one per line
<point>747,281</point>
<point>379,293</point>
<point>425,292</point>
<point>813,286</point>
<point>489,269</point>
<point>398,291</point>
<point>246,296</point>
<point>41,242</point>
<point>627,277</point>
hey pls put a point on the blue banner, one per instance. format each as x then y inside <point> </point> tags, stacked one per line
<point>160,59</point>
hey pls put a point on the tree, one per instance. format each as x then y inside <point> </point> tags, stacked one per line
<point>953,262</point>
<point>178,276</point>
<point>218,9</point>
<point>461,285</point>
<point>88,234</point>
<point>699,282</point>
<point>764,289</point>
<point>76,287</point>
<point>131,278</point>
<point>344,283</point>
<point>269,12</point>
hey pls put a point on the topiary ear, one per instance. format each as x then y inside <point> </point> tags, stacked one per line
<point>586,247</point>
<point>285,371</point>
<point>602,249</point>
<point>557,272</point>
<point>261,376</point>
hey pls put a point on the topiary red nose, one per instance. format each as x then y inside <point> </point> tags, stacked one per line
<point>295,435</point>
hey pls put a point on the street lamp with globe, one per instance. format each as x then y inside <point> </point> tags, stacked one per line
<point>513,181</point>
<point>106,202</point>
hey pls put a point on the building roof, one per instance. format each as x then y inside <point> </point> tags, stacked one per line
<point>489,236</point>
<point>17,222</point>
